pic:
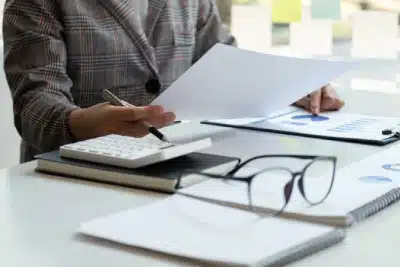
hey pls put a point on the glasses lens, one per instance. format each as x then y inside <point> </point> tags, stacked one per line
<point>271,185</point>
<point>318,179</point>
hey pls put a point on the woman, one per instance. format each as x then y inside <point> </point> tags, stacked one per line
<point>60,54</point>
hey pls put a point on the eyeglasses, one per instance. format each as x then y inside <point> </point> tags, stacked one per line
<point>265,184</point>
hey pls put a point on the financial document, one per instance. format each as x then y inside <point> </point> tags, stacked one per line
<point>229,83</point>
<point>337,124</point>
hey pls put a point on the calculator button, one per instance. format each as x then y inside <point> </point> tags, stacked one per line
<point>101,149</point>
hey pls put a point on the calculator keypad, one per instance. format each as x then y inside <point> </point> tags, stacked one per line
<point>129,152</point>
<point>118,146</point>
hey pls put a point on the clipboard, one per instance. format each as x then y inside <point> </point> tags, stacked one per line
<point>267,126</point>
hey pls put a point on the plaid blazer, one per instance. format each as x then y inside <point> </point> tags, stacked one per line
<point>60,54</point>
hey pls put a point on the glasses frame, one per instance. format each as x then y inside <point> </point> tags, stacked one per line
<point>288,188</point>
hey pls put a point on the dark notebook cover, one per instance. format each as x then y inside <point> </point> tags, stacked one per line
<point>169,169</point>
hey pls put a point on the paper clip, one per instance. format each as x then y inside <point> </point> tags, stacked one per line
<point>394,131</point>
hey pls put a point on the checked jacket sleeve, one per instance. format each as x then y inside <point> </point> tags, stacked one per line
<point>210,29</point>
<point>35,62</point>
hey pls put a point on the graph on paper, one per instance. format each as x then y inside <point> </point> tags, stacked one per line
<point>336,124</point>
<point>392,167</point>
<point>358,125</point>
<point>375,179</point>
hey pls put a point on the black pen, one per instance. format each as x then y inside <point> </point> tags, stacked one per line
<point>115,101</point>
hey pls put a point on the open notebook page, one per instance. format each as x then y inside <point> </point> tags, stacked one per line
<point>207,232</point>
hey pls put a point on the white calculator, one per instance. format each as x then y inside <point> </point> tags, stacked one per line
<point>129,152</point>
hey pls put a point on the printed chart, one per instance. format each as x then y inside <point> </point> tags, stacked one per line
<point>358,125</point>
<point>304,119</point>
<point>378,179</point>
<point>375,179</point>
<point>392,167</point>
<point>336,124</point>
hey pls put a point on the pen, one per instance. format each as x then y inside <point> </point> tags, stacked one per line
<point>115,101</point>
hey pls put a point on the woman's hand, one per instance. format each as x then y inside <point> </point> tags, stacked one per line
<point>103,119</point>
<point>321,100</point>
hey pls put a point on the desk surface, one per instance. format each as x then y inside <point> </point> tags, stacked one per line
<point>39,213</point>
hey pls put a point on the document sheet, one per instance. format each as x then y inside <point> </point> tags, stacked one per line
<point>229,82</point>
<point>190,228</point>
<point>337,124</point>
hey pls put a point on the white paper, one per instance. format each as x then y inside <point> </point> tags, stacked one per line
<point>239,121</point>
<point>229,82</point>
<point>385,164</point>
<point>186,227</point>
<point>256,17</point>
<point>246,121</point>
<point>336,124</point>
<point>312,37</point>
<point>375,35</point>
<point>363,181</point>
<point>354,186</point>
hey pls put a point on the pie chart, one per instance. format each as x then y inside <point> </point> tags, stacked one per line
<point>310,117</point>
<point>392,167</point>
<point>375,179</point>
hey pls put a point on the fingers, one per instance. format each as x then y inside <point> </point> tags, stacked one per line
<point>330,101</point>
<point>162,120</point>
<point>315,102</point>
<point>137,129</point>
<point>132,114</point>
<point>322,100</point>
<point>304,103</point>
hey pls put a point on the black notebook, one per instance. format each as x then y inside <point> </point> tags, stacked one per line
<point>161,176</point>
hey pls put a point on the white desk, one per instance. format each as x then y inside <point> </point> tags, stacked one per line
<point>39,213</point>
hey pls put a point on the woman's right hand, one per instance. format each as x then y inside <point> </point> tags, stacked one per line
<point>103,119</point>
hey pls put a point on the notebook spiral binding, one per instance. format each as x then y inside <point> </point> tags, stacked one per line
<point>375,206</point>
<point>304,250</point>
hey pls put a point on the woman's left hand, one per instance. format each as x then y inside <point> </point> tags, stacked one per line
<point>324,99</point>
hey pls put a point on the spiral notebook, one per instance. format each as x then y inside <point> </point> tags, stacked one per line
<point>206,233</point>
<point>340,126</point>
<point>359,191</point>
